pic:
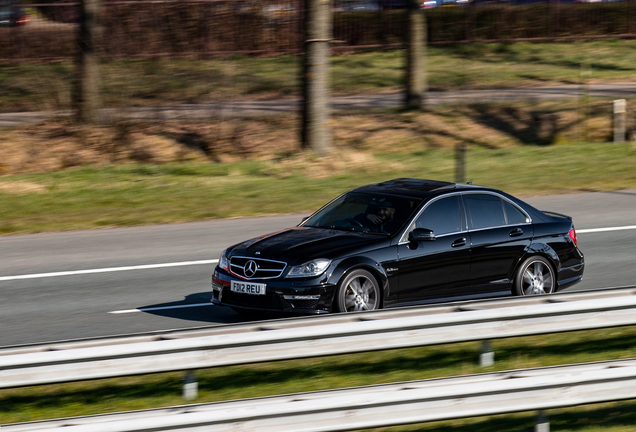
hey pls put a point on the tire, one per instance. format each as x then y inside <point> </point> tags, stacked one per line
<point>535,277</point>
<point>358,291</point>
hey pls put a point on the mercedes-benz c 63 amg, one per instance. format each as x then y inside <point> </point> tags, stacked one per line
<point>402,242</point>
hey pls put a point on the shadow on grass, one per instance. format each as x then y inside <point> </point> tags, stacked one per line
<point>532,127</point>
<point>583,418</point>
<point>589,348</point>
<point>586,418</point>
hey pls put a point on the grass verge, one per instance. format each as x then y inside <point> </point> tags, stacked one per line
<point>149,82</point>
<point>140,194</point>
<point>236,382</point>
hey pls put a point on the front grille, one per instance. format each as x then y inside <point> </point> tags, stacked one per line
<point>304,304</point>
<point>268,301</point>
<point>261,268</point>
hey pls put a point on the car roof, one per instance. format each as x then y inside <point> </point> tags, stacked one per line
<point>412,187</point>
<point>422,189</point>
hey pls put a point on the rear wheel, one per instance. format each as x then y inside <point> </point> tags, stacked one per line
<point>535,277</point>
<point>358,291</point>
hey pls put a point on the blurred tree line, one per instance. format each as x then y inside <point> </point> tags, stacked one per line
<point>208,28</point>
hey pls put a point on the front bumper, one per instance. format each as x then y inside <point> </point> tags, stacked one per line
<point>298,296</point>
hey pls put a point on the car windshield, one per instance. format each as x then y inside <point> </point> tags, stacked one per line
<point>364,212</point>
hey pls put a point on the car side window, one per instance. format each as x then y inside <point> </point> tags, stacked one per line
<point>514,216</point>
<point>442,216</point>
<point>485,210</point>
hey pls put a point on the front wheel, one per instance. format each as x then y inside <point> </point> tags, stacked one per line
<point>358,291</point>
<point>535,277</point>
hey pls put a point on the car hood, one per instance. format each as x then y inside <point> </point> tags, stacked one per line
<point>301,244</point>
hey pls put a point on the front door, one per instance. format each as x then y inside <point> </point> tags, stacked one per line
<point>437,268</point>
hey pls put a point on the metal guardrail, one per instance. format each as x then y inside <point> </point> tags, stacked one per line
<point>377,406</point>
<point>315,336</point>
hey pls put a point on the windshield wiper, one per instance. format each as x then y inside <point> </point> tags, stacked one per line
<point>333,227</point>
<point>363,230</point>
<point>340,228</point>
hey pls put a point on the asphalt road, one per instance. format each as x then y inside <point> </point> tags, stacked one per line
<point>126,280</point>
<point>248,109</point>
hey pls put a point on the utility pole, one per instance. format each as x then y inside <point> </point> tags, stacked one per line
<point>86,93</point>
<point>316,130</point>
<point>415,57</point>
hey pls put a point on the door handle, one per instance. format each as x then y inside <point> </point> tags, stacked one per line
<point>459,242</point>
<point>516,232</point>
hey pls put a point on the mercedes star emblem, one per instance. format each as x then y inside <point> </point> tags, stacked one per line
<point>250,268</point>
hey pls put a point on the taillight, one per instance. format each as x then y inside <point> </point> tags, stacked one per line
<point>572,234</point>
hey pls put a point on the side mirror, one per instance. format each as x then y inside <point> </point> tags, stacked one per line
<point>421,234</point>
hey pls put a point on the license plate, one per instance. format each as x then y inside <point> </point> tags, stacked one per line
<point>248,288</point>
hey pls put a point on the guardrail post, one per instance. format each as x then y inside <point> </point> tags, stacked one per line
<point>190,385</point>
<point>543,424</point>
<point>487,355</point>
<point>619,106</point>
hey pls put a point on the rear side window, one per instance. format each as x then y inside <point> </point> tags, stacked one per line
<point>514,216</point>
<point>485,210</point>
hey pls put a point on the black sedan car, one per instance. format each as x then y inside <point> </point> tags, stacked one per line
<point>402,242</point>
<point>11,14</point>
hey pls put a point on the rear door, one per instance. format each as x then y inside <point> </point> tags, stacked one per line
<point>500,233</point>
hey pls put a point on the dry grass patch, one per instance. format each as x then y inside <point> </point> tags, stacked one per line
<point>22,188</point>
<point>339,162</point>
<point>60,144</point>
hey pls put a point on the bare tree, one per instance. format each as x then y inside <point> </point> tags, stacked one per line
<point>86,95</point>
<point>415,57</point>
<point>316,131</point>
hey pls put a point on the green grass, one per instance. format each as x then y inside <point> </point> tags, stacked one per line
<point>162,82</point>
<point>137,194</point>
<point>237,382</point>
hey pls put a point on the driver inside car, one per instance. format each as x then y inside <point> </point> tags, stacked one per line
<point>377,217</point>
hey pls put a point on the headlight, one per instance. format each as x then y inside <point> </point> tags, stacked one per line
<point>223,260</point>
<point>309,269</point>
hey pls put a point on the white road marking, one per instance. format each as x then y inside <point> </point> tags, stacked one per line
<point>107,270</point>
<point>148,309</point>
<point>188,263</point>
<point>595,230</point>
